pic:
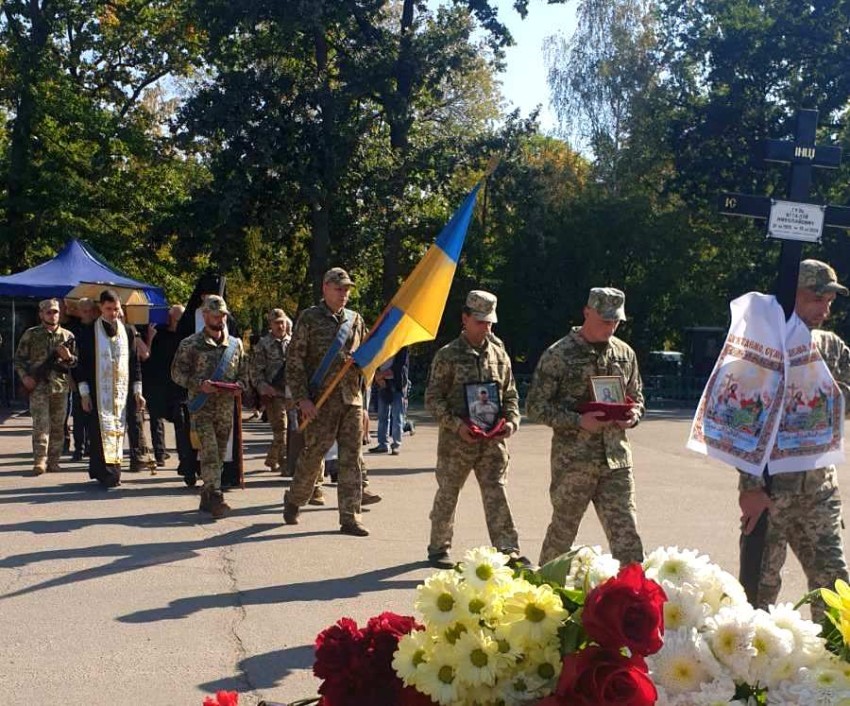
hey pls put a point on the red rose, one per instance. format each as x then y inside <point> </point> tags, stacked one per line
<point>339,649</point>
<point>626,611</point>
<point>382,634</point>
<point>223,698</point>
<point>596,676</point>
<point>356,665</point>
<point>393,623</point>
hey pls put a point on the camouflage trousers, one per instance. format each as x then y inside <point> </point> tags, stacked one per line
<point>276,413</point>
<point>489,460</point>
<point>339,422</point>
<point>212,424</point>
<point>806,516</point>
<point>574,485</point>
<point>48,424</point>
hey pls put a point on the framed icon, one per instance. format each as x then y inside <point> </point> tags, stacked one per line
<point>609,389</point>
<point>483,404</point>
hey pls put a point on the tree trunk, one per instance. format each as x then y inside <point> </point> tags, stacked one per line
<point>320,217</point>
<point>19,226</point>
<point>400,121</point>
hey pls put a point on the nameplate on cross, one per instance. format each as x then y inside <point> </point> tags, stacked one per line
<point>794,220</point>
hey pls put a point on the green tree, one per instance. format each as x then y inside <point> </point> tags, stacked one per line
<point>600,79</point>
<point>85,152</point>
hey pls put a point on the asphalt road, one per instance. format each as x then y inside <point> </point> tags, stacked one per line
<point>130,596</point>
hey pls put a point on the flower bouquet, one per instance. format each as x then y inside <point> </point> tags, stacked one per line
<point>583,631</point>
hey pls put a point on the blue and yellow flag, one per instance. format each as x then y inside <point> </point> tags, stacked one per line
<point>414,313</point>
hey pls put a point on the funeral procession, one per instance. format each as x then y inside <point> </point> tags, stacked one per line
<point>424,353</point>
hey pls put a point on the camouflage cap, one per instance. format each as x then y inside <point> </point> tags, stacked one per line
<point>482,305</point>
<point>215,304</point>
<point>820,278</point>
<point>48,305</point>
<point>337,275</point>
<point>277,315</point>
<point>608,302</point>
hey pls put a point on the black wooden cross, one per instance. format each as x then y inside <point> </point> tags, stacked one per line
<point>802,154</point>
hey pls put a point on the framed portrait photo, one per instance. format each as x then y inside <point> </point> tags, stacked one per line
<point>609,389</point>
<point>483,405</point>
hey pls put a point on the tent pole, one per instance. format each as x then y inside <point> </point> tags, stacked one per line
<point>13,347</point>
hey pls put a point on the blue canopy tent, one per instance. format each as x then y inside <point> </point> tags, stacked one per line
<point>76,263</point>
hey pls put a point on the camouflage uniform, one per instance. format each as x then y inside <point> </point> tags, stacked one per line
<point>806,510</point>
<point>49,400</point>
<point>338,419</point>
<point>267,359</point>
<point>587,466</point>
<point>453,366</point>
<point>196,360</point>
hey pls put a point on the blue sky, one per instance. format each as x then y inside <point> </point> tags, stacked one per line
<point>524,82</point>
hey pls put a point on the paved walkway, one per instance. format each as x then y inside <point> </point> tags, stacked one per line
<point>129,596</point>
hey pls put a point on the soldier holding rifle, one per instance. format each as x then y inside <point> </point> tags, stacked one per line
<point>43,358</point>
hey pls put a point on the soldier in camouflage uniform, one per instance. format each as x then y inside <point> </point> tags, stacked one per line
<point>340,417</point>
<point>804,506</point>
<point>43,358</point>
<point>458,369</point>
<point>591,456</point>
<point>194,365</point>
<point>267,359</point>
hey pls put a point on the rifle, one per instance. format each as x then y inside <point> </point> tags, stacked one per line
<point>41,372</point>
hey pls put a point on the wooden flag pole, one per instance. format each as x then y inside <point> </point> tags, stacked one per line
<point>491,167</point>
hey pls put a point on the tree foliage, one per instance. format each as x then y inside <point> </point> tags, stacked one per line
<point>272,140</point>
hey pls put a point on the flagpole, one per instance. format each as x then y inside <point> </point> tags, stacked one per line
<point>492,163</point>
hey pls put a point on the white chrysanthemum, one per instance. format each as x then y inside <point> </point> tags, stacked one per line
<point>678,566</point>
<point>772,643</point>
<point>716,693</point>
<point>590,567</point>
<point>438,599</point>
<point>438,677</point>
<point>730,635</point>
<point>684,607</point>
<point>481,604</point>
<point>829,678</point>
<point>541,669</point>
<point>411,653</point>
<point>781,695</point>
<point>450,634</point>
<point>482,695</point>
<point>477,658</point>
<point>534,612</point>
<point>785,670</point>
<point>484,567</point>
<point>516,689</point>
<point>510,650</point>
<point>721,590</point>
<point>683,663</point>
<point>809,646</point>
<point>820,687</point>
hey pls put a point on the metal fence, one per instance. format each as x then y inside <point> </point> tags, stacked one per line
<point>673,388</point>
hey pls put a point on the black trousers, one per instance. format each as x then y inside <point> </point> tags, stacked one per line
<point>82,420</point>
<point>157,425</point>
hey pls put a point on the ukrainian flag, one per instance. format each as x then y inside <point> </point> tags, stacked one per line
<point>415,311</point>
